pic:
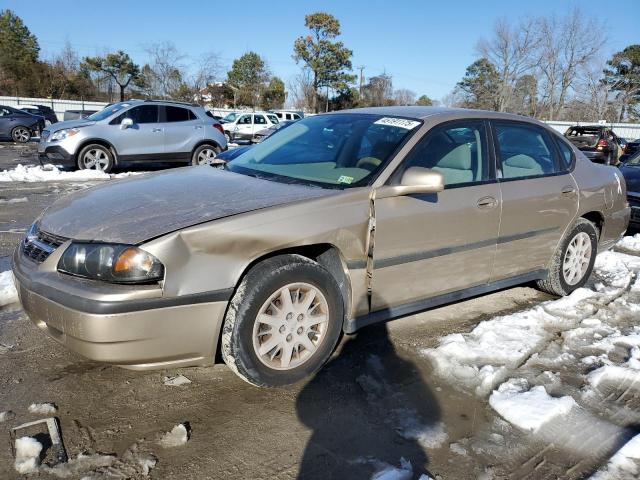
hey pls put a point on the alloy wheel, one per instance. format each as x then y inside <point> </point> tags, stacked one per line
<point>290,326</point>
<point>577,258</point>
<point>206,156</point>
<point>21,135</point>
<point>95,159</point>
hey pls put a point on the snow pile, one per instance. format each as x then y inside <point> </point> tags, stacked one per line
<point>43,408</point>
<point>176,381</point>
<point>629,244</point>
<point>27,455</point>
<point>614,374</point>
<point>8,293</point>
<point>14,200</point>
<point>389,472</point>
<point>528,409</point>
<point>179,435</point>
<point>625,464</point>
<point>83,463</point>
<point>51,173</point>
<point>6,416</point>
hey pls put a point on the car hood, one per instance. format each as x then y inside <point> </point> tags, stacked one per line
<point>80,122</point>
<point>143,207</point>
<point>632,177</point>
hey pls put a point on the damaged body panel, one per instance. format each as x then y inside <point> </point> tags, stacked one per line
<point>347,206</point>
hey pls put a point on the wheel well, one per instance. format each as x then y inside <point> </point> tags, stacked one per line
<point>325,254</point>
<point>597,219</point>
<point>205,142</point>
<point>104,143</point>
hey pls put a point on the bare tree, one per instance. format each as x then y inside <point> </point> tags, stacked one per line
<point>404,96</point>
<point>565,47</point>
<point>301,91</point>
<point>166,70</point>
<point>207,70</point>
<point>510,51</point>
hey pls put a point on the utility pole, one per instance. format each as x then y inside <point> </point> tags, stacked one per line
<point>361,68</point>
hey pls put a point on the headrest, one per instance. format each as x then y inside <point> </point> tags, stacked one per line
<point>459,158</point>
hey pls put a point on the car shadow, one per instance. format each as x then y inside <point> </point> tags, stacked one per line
<point>366,408</point>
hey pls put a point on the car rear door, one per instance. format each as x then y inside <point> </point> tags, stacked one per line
<point>182,131</point>
<point>431,244</point>
<point>539,198</point>
<point>244,127</point>
<point>144,140</point>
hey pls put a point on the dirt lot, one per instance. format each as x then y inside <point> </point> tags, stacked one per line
<point>360,413</point>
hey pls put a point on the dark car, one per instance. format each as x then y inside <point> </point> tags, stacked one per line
<point>631,171</point>
<point>630,150</point>
<point>42,111</point>
<point>18,125</point>
<point>260,135</point>
<point>232,153</point>
<point>598,143</point>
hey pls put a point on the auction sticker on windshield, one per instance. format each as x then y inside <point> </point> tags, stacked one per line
<point>398,122</point>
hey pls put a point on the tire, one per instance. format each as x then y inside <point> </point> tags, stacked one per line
<point>95,157</point>
<point>21,134</point>
<point>204,154</point>
<point>227,137</point>
<point>243,336</point>
<point>560,280</point>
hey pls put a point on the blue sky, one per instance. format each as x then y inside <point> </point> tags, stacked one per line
<point>425,45</point>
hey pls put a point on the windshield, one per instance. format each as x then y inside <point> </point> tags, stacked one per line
<point>332,151</point>
<point>231,117</point>
<point>634,160</point>
<point>108,111</point>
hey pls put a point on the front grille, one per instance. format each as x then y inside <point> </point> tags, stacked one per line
<point>39,248</point>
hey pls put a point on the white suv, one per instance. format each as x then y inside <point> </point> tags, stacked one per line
<point>244,126</point>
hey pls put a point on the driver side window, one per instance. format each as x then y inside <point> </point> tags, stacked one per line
<point>139,115</point>
<point>457,150</point>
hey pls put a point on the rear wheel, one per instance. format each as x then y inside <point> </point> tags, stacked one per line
<point>205,154</point>
<point>573,260</point>
<point>227,137</point>
<point>283,322</point>
<point>21,134</point>
<point>95,157</point>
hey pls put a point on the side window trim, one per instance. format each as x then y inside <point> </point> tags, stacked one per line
<point>546,135</point>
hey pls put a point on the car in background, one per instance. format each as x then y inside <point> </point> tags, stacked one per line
<point>271,259</point>
<point>41,110</point>
<point>244,126</point>
<point>19,125</point>
<point>135,131</point>
<point>630,169</point>
<point>232,153</point>
<point>597,142</point>
<point>76,114</point>
<point>215,116</point>
<point>260,135</point>
<point>285,115</point>
<point>630,150</point>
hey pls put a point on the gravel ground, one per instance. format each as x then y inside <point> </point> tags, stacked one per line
<point>355,418</point>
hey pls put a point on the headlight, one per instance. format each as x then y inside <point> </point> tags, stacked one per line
<point>64,133</point>
<point>113,263</point>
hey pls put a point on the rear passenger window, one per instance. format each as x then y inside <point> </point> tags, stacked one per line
<point>177,114</point>
<point>566,154</point>
<point>524,150</point>
<point>259,120</point>
<point>457,150</point>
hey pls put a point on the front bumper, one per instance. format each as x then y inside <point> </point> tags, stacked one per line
<point>55,153</point>
<point>142,334</point>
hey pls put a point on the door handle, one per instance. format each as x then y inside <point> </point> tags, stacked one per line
<point>568,191</point>
<point>487,202</point>
<point>156,130</point>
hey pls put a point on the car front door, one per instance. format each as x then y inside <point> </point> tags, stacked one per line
<point>6,120</point>
<point>539,198</point>
<point>144,140</point>
<point>182,130</point>
<point>431,244</point>
<point>244,127</point>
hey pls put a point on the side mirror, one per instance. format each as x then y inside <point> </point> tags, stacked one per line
<point>415,180</point>
<point>126,123</point>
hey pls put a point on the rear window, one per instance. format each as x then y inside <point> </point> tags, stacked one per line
<point>579,132</point>
<point>177,114</point>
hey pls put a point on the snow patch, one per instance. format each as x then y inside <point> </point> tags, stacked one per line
<point>629,244</point>
<point>8,292</point>
<point>179,435</point>
<point>14,200</point>
<point>624,464</point>
<point>528,409</point>
<point>27,455</point>
<point>6,416</point>
<point>389,472</point>
<point>176,381</point>
<point>51,173</point>
<point>614,374</point>
<point>43,408</point>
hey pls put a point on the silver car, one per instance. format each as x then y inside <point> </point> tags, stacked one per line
<point>135,131</point>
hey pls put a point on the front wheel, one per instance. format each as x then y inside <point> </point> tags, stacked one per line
<point>21,134</point>
<point>283,322</point>
<point>95,157</point>
<point>573,260</point>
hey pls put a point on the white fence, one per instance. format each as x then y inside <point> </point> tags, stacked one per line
<point>58,106</point>
<point>628,131</point>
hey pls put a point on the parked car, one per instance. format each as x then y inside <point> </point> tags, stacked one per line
<point>598,143</point>
<point>260,135</point>
<point>244,126</point>
<point>42,111</point>
<point>232,153</point>
<point>219,118</point>
<point>273,257</point>
<point>630,169</point>
<point>18,125</point>
<point>77,114</point>
<point>288,115</point>
<point>630,150</point>
<point>135,131</point>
